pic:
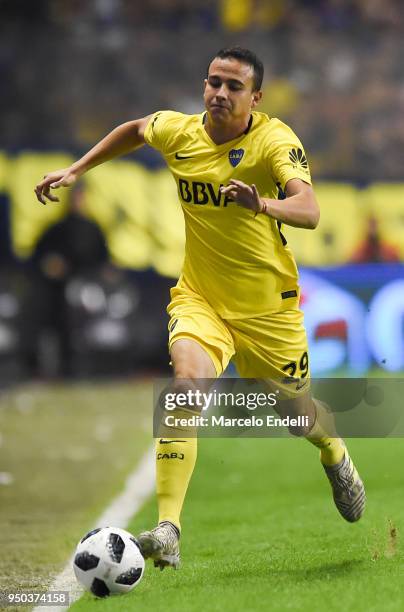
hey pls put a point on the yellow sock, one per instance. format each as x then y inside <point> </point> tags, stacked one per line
<point>175,462</point>
<point>332,448</point>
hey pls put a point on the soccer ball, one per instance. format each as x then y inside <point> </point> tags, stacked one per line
<point>108,560</point>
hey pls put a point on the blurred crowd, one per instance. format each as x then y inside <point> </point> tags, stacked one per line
<point>72,70</point>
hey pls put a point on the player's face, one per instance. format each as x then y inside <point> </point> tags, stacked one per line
<point>229,90</point>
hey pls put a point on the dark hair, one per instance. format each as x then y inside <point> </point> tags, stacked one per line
<point>248,57</point>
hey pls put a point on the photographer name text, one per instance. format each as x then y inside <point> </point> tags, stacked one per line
<point>221,421</point>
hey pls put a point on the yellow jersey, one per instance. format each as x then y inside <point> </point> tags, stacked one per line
<point>238,262</point>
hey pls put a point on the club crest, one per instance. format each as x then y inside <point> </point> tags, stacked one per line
<point>235,156</point>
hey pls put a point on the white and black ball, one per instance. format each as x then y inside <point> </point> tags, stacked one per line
<point>108,561</point>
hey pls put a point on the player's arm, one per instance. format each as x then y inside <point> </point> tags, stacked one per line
<point>299,208</point>
<point>123,139</point>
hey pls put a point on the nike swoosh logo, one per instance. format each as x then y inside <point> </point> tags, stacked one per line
<point>177,156</point>
<point>170,441</point>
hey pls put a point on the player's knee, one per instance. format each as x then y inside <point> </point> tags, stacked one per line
<point>183,384</point>
<point>300,413</point>
<point>300,431</point>
<point>177,407</point>
<point>183,393</point>
<point>186,372</point>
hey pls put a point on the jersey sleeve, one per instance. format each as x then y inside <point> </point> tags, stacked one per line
<point>162,130</point>
<point>286,157</point>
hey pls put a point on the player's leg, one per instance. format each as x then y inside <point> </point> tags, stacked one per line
<point>274,346</point>
<point>320,429</point>
<point>347,486</point>
<point>200,348</point>
<point>176,454</point>
<point>177,450</point>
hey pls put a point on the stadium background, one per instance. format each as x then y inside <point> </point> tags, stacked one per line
<point>72,70</point>
<point>332,71</point>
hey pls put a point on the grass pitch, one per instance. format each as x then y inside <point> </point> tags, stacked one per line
<point>65,452</point>
<point>260,530</point>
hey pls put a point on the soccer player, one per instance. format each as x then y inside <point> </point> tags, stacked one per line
<point>240,175</point>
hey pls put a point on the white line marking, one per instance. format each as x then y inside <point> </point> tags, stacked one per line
<point>139,486</point>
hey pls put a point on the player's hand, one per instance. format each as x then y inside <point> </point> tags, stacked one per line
<point>244,195</point>
<point>54,180</point>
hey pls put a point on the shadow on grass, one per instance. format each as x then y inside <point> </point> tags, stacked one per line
<point>339,569</point>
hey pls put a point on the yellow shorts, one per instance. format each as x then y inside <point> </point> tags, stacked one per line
<point>271,346</point>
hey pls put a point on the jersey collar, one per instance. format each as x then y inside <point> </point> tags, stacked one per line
<point>248,128</point>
